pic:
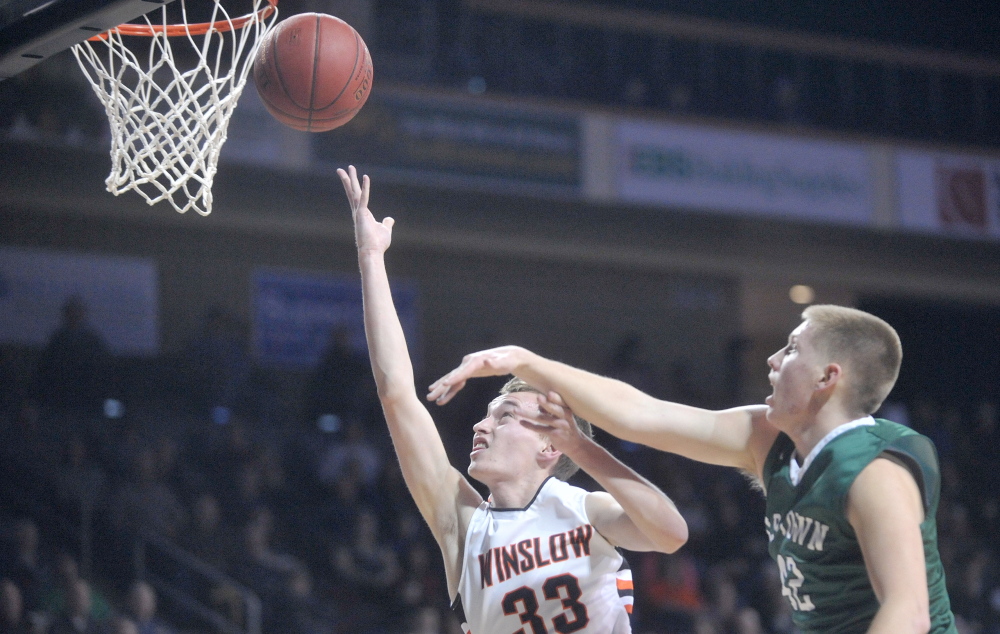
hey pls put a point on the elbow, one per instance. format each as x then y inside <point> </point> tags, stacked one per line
<point>679,539</point>
<point>393,388</point>
<point>392,396</point>
<point>906,615</point>
<point>675,536</point>
<point>920,617</point>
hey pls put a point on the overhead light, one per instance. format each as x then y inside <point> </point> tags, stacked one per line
<point>801,294</point>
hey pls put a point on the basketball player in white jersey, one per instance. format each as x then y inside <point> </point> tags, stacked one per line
<point>539,555</point>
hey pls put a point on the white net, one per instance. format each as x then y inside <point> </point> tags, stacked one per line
<point>169,109</point>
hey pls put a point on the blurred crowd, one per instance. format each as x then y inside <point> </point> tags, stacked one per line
<point>300,503</point>
<point>451,44</point>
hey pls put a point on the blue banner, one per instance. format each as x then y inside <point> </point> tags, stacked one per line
<point>295,312</point>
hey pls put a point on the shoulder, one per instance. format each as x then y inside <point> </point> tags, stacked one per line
<point>883,488</point>
<point>918,455</point>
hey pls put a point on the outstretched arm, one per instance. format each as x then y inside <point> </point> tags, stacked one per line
<point>738,437</point>
<point>631,512</point>
<point>443,496</point>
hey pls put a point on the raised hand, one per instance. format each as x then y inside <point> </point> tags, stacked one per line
<point>369,234</point>
<point>492,362</point>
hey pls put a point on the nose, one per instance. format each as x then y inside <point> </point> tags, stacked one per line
<point>774,361</point>
<point>482,426</point>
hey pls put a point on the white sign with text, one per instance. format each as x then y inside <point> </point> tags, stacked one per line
<point>709,169</point>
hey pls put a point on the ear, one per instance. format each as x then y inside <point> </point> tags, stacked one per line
<point>832,375</point>
<point>548,456</point>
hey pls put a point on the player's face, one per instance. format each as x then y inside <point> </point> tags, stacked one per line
<point>794,372</point>
<point>502,447</point>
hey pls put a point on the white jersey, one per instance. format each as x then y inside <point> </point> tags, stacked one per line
<point>542,569</point>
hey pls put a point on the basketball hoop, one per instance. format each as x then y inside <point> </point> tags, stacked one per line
<point>169,117</point>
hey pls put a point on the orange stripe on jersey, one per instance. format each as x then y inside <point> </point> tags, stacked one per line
<point>624,584</point>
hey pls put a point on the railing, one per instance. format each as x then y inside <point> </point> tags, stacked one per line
<point>174,572</point>
<point>701,67</point>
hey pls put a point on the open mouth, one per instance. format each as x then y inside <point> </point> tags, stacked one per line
<point>478,444</point>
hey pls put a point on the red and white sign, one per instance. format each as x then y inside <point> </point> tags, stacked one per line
<point>949,193</point>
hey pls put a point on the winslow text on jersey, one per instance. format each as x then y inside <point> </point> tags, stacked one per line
<point>534,552</point>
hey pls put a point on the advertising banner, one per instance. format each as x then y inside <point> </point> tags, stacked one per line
<point>294,313</point>
<point>472,143</point>
<point>695,167</point>
<point>949,194</point>
<point>119,295</point>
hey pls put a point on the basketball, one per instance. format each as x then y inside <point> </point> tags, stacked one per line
<point>313,72</point>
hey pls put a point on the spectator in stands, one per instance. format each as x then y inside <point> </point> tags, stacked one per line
<point>72,372</point>
<point>77,616</point>
<point>975,595</point>
<point>366,567</point>
<point>216,365</point>
<point>8,382</point>
<point>765,595</point>
<point>263,568</point>
<point>340,384</point>
<point>259,481</point>
<point>355,450</point>
<point>123,625</point>
<point>144,503</point>
<point>723,600</point>
<point>80,479</point>
<point>627,364</point>
<point>208,537</point>
<point>24,566</point>
<point>346,495</point>
<point>301,611</point>
<point>668,589</point>
<point>420,583</point>
<point>58,596</point>
<point>12,617</point>
<point>142,609</point>
<point>427,620</point>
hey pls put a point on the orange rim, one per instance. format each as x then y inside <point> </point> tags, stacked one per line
<point>200,28</point>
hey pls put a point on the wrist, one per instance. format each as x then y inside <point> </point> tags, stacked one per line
<point>579,449</point>
<point>524,360</point>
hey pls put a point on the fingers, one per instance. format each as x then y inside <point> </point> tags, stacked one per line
<point>535,426</point>
<point>442,391</point>
<point>554,397</point>
<point>345,180</point>
<point>388,221</point>
<point>357,192</point>
<point>555,410</point>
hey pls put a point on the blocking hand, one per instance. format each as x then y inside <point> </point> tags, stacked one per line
<point>369,234</point>
<point>493,362</point>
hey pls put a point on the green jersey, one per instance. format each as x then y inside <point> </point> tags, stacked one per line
<point>823,573</point>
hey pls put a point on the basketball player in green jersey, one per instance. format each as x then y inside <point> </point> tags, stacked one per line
<point>851,500</point>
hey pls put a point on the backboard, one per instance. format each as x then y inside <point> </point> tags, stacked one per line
<point>32,30</point>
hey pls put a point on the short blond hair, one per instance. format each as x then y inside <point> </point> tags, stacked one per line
<point>868,346</point>
<point>565,467</point>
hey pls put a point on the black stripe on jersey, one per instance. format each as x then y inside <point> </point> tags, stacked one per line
<point>456,607</point>
<point>528,505</point>
<point>623,592</point>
